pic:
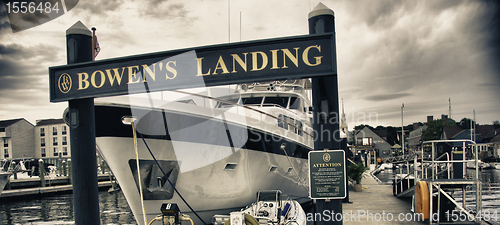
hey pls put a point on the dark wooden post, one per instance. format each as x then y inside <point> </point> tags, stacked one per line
<point>82,134</point>
<point>326,115</point>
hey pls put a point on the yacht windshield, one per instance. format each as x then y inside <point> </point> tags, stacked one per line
<point>281,101</point>
<point>244,101</point>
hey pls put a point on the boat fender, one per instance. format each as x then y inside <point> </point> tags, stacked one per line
<point>422,199</point>
<point>285,209</point>
<point>249,220</point>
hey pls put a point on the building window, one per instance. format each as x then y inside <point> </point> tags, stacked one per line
<point>54,130</point>
<point>64,141</point>
<point>54,142</point>
<point>55,152</point>
<point>5,143</point>
<point>367,141</point>
<point>65,150</point>
<point>42,142</point>
<point>43,152</point>
<point>6,153</point>
<point>42,132</point>
<point>64,130</point>
<point>2,129</point>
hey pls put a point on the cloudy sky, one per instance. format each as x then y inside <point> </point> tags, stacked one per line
<point>420,53</point>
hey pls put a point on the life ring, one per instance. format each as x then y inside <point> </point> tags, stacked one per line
<point>422,199</point>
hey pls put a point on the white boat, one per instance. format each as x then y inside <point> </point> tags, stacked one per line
<point>217,158</point>
<point>495,165</point>
<point>4,178</point>
<point>480,164</point>
<point>269,208</point>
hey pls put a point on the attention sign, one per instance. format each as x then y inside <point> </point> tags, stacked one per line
<point>327,174</point>
<point>263,60</point>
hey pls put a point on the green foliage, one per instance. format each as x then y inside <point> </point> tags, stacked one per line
<point>435,129</point>
<point>355,171</point>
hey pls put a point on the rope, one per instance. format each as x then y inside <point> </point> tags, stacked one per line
<point>139,174</point>
<point>164,174</point>
<point>293,167</point>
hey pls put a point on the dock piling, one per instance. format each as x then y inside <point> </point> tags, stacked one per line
<point>41,169</point>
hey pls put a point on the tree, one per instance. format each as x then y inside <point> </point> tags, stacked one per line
<point>496,124</point>
<point>435,128</point>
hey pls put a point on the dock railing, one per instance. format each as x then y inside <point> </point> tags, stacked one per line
<point>441,176</point>
<point>451,181</point>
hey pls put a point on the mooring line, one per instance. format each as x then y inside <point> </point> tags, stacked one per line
<point>164,174</point>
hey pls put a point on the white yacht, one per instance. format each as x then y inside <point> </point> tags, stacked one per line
<point>4,178</point>
<point>214,156</point>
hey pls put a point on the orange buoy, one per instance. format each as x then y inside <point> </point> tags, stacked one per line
<point>379,160</point>
<point>422,199</point>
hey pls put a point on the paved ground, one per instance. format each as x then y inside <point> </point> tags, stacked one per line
<point>377,205</point>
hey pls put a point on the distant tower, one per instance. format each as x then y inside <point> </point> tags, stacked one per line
<point>449,108</point>
<point>343,121</point>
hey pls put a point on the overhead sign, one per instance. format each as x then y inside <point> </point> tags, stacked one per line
<point>327,174</point>
<point>263,60</point>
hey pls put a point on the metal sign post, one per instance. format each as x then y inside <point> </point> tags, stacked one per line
<point>82,133</point>
<point>326,102</point>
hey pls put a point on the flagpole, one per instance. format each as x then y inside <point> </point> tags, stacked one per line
<point>93,43</point>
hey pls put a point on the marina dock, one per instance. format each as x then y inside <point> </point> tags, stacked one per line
<point>44,190</point>
<point>31,186</point>
<point>376,204</point>
<point>377,200</point>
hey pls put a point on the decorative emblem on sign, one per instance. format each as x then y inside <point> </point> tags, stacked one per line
<point>326,157</point>
<point>64,83</point>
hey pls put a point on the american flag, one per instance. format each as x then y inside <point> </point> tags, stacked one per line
<point>97,49</point>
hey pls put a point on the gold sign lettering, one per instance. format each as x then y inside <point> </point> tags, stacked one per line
<point>221,65</point>
<point>216,65</point>
<point>305,55</point>
<point>254,60</point>
<point>83,79</point>
<point>200,67</point>
<point>103,79</point>
<point>147,69</point>
<point>117,76</point>
<point>132,71</point>
<point>171,69</point>
<point>293,58</point>
<point>242,63</point>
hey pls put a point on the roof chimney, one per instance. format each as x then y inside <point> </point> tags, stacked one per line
<point>430,118</point>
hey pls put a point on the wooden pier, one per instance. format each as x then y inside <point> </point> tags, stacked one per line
<point>32,187</point>
<point>59,189</point>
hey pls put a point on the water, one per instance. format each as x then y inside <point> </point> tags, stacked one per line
<point>58,209</point>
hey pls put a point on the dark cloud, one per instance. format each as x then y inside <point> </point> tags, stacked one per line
<point>488,23</point>
<point>385,97</point>
<point>22,67</point>
<point>4,20</point>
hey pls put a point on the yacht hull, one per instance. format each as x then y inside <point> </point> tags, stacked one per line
<point>217,188</point>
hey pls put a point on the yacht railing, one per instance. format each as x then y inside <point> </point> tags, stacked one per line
<point>252,109</point>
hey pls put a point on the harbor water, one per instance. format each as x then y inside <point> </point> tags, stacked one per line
<point>58,209</point>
